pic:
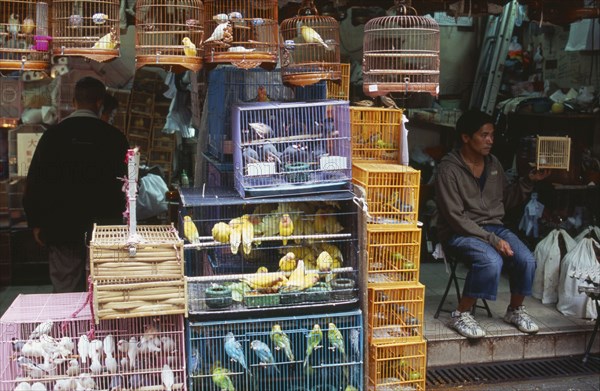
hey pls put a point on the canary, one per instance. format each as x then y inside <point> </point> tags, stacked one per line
<point>263,280</point>
<point>324,262</point>
<point>235,236</point>
<point>286,227</point>
<point>247,234</point>
<point>296,279</point>
<point>287,263</point>
<point>189,230</point>
<point>221,232</point>
<point>311,36</point>
<point>107,42</point>
<point>188,47</point>
<point>334,251</point>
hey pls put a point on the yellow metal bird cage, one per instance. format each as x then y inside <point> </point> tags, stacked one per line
<point>241,32</point>
<point>87,28</point>
<point>24,35</point>
<point>169,34</point>
<point>401,53</point>
<point>310,47</point>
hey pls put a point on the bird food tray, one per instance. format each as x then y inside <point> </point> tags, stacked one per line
<point>291,148</point>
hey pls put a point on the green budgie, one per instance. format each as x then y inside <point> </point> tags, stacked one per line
<point>220,377</point>
<point>314,339</point>
<point>281,341</point>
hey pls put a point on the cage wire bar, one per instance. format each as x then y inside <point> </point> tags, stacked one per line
<point>310,47</point>
<point>401,54</point>
<point>242,33</point>
<point>88,28</point>
<point>169,34</point>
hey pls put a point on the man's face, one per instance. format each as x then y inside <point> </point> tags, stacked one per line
<point>481,141</point>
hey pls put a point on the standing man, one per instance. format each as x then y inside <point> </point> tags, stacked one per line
<point>472,195</point>
<point>73,182</point>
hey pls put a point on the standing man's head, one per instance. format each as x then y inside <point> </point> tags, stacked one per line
<point>89,94</point>
<point>476,132</point>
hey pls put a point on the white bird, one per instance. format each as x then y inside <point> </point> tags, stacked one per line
<point>23,386</point>
<point>168,377</point>
<point>109,345</point>
<point>262,130</point>
<point>107,42</point>
<point>124,363</point>
<point>168,344</point>
<point>122,346</point>
<point>65,384</point>
<point>221,18</point>
<point>13,27</point>
<point>83,348</point>
<point>41,329</point>
<point>311,36</point>
<point>189,49</point>
<point>37,386</point>
<point>29,367</point>
<point>33,349</point>
<point>73,368</point>
<point>235,16</point>
<point>221,33</point>
<point>95,349</point>
<point>132,352</point>
<point>86,380</point>
<point>67,345</point>
<point>111,364</point>
<point>95,366</point>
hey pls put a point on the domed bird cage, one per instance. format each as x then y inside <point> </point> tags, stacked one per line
<point>24,35</point>
<point>169,34</point>
<point>310,47</point>
<point>88,28</point>
<point>241,32</point>
<point>401,53</point>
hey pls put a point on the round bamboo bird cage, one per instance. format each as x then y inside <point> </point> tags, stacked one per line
<point>24,35</point>
<point>401,53</point>
<point>310,49</point>
<point>169,34</point>
<point>241,32</point>
<point>87,28</point>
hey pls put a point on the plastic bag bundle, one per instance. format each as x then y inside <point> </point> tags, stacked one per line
<point>549,257</point>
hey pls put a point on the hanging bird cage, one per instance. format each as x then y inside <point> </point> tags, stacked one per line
<point>310,49</point>
<point>241,32</point>
<point>169,34</point>
<point>401,53</point>
<point>88,28</point>
<point>24,35</point>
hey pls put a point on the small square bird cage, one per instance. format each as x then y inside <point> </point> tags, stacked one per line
<point>340,89</point>
<point>553,152</point>
<point>310,47</point>
<point>88,28</point>
<point>240,32</point>
<point>397,366</point>
<point>401,54</point>
<point>24,32</point>
<point>393,253</point>
<point>376,134</point>
<point>169,35</point>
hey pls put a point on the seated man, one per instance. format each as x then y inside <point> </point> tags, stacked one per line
<point>472,194</point>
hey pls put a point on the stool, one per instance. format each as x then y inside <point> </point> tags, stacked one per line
<point>453,280</point>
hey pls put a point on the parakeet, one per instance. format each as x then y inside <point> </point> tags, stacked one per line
<point>264,353</point>
<point>262,130</point>
<point>234,350</point>
<point>314,339</point>
<point>281,341</point>
<point>286,227</point>
<point>296,279</point>
<point>188,47</point>
<point>168,377</point>
<point>43,328</point>
<point>336,340</point>
<point>189,230</point>
<point>235,236</point>
<point>324,262</point>
<point>221,34</point>
<point>287,263</point>
<point>311,36</point>
<point>194,361</point>
<point>355,342</point>
<point>107,42</point>
<point>388,102</point>
<point>220,376</point>
<point>13,27</point>
<point>221,232</point>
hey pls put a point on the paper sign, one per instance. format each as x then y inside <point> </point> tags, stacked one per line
<point>26,144</point>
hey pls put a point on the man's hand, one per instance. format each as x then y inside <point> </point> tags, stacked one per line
<point>504,248</point>
<point>37,238</point>
<point>538,175</point>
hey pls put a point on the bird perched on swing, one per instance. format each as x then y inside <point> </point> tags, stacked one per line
<point>189,49</point>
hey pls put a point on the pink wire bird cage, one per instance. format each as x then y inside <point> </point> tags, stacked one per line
<point>401,54</point>
<point>24,35</point>
<point>241,32</point>
<point>168,35</point>
<point>310,49</point>
<point>88,28</point>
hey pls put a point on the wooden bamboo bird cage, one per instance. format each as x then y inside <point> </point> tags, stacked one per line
<point>169,34</point>
<point>88,28</point>
<point>401,53</point>
<point>24,35</point>
<point>241,32</point>
<point>310,47</point>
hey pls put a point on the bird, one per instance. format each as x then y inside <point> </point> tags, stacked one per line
<point>221,18</point>
<point>250,155</point>
<point>295,154</point>
<point>13,27</point>
<point>116,383</point>
<point>168,377</point>
<point>194,361</point>
<point>220,376</point>
<point>262,130</point>
<point>269,152</point>
<point>23,386</point>
<point>287,263</point>
<point>108,345</point>
<point>17,345</point>
<point>137,381</point>
<point>235,16</point>
<point>324,262</point>
<point>364,103</point>
<point>264,353</point>
<point>234,350</point>
<point>388,102</point>
<point>111,364</point>
<point>281,341</point>
<point>87,381</point>
<point>311,36</point>
<point>73,368</point>
<point>190,231</point>
<point>336,340</point>
<point>122,345</point>
<point>189,49</point>
<point>261,94</point>
<point>132,351</point>
<point>168,344</point>
<point>43,328</point>
<point>28,25</point>
<point>235,236</point>
<point>83,348</point>
<point>314,339</point>
<point>106,42</point>
<point>247,234</point>
<point>221,34</point>
<point>37,386</point>
<point>286,227</point>
<point>355,342</point>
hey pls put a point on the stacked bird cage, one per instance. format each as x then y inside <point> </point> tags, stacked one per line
<point>376,134</point>
<point>401,54</point>
<point>397,366</point>
<point>141,278</point>
<point>282,353</point>
<point>340,89</point>
<point>310,47</point>
<point>553,152</point>
<point>242,33</point>
<point>291,148</point>
<point>49,342</point>
<point>24,32</point>
<point>168,35</point>
<point>88,28</point>
<point>393,253</point>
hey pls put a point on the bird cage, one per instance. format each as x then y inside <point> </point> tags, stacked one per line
<point>88,28</point>
<point>240,32</point>
<point>24,33</point>
<point>401,53</point>
<point>169,35</point>
<point>310,49</point>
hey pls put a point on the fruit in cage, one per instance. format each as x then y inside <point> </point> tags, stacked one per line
<point>221,231</point>
<point>286,227</point>
<point>287,263</point>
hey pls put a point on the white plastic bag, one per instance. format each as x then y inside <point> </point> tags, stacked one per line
<point>547,273</point>
<point>151,200</point>
<point>591,230</point>
<point>578,260</point>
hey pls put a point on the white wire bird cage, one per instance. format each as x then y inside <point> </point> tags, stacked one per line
<point>240,32</point>
<point>88,28</point>
<point>24,35</point>
<point>401,54</point>
<point>169,34</point>
<point>310,47</point>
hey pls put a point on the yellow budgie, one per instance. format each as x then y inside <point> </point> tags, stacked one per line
<point>235,236</point>
<point>287,263</point>
<point>107,42</point>
<point>188,47</point>
<point>286,227</point>
<point>311,36</point>
<point>247,234</point>
<point>189,230</point>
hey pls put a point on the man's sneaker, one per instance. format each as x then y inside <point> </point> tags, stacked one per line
<point>466,325</point>
<point>521,319</point>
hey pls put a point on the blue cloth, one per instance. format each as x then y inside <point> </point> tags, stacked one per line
<point>486,263</point>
